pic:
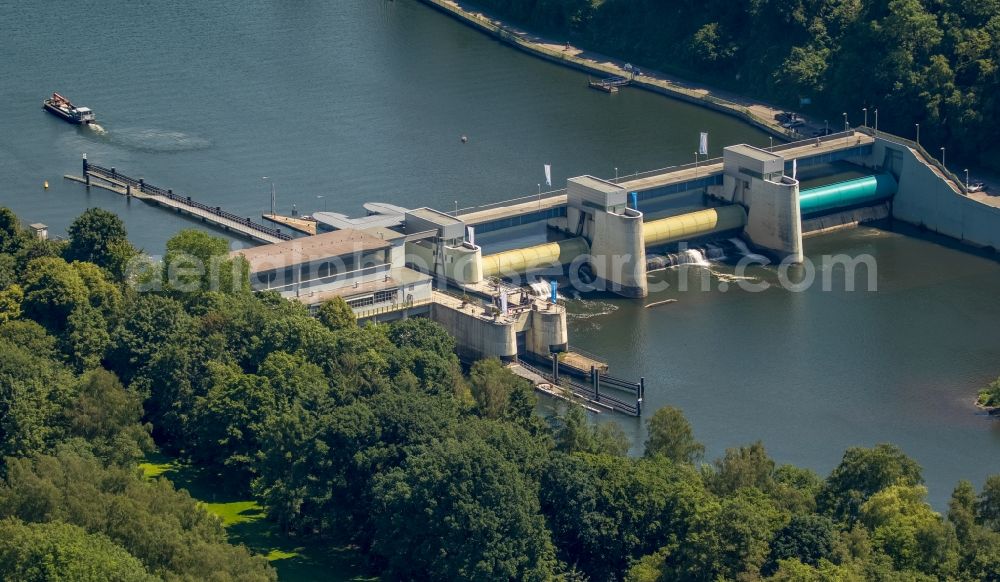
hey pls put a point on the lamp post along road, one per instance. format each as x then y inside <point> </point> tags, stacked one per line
<point>865,109</point>
<point>942,158</point>
<point>876,121</point>
<point>918,133</point>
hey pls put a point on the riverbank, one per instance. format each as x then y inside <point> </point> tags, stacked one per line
<point>759,114</point>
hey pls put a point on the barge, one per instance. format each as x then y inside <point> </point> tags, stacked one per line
<point>62,107</point>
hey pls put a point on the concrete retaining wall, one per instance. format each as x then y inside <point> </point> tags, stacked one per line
<point>476,338</point>
<point>925,199</point>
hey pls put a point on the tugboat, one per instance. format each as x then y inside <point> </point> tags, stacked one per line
<point>61,106</point>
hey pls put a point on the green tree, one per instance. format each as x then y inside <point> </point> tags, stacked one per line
<point>962,510</point>
<point>806,538</point>
<point>87,337</point>
<point>988,504</point>
<point>669,434</point>
<point>52,289</point>
<point>197,261</point>
<point>460,510</point>
<point>33,393</point>
<point>96,236</point>
<point>40,552</point>
<point>605,512</point>
<point>990,396</point>
<point>11,298</point>
<point>906,529</point>
<point>422,334</point>
<point>8,270</point>
<point>11,235</point>
<point>336,314</point>
<point>743,467</point>
<point>493,388</point>
<point>163,528</point>
<point>862,473</point>
<point>227,423</point>
<point>150,322</point>
<point>107,416</point>
<point>575,433</point>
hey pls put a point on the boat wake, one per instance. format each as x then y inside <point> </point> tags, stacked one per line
<point>157,140</point>
<point>98,129</point>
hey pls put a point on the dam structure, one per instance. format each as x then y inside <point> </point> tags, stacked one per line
<point>597,235</point>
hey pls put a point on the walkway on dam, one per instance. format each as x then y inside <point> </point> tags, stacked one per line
<point>660,178</point>
<point>795,150</point>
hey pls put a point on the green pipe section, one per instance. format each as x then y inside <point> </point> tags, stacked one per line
<point>848,193</point>
<point>693,225</point>
<point>528,259</point>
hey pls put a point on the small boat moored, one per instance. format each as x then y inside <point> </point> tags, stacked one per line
<point>62,107</point>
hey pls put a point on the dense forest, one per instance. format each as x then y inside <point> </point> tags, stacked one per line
<point>376,432</point>
<point>932,62</point>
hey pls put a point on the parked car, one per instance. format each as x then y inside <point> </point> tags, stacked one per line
<point>977,187</point>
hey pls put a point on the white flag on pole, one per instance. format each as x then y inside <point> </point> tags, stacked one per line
<point>503,302</point>
<point>703,144</point>
<point>471,231</point>
<point>795,168</point>
<point>548,174</point>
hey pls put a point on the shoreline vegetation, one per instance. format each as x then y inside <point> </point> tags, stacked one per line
<point>205,432</point>
<point>757,113</point>
<point>930,68</point>
<point>989,398</point>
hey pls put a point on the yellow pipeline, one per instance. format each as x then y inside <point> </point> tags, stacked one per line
<point>693,225</point>
<point>522,260</point>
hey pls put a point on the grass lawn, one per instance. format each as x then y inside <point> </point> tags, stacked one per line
<point>246,524</point>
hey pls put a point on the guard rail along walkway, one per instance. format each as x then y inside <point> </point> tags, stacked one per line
<point>166,198</point>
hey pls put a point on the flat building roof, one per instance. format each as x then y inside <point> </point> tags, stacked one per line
<point>752,152</point>
<point>339,243</point>
<point>597,184</point>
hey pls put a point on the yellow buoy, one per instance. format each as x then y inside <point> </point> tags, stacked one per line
<point>46,185</point>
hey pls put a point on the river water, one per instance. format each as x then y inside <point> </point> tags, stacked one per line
<point>340,103</point>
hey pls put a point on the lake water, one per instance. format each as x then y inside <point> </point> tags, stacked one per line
<point>340,103</point>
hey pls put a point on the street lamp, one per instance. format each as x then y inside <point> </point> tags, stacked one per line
<point>918,133</point>
<point>845,121</point>
<point>876,121</point>
<point>266,179</point>
<point>616,175</point>
<point>865,109</point>
<point>967,179</point>
<point>826,125</point>
<point>771,140</point>
<point>942,157</point>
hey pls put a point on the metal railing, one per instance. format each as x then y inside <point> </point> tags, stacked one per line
<point>146,188</point>
<point>390,308</point>
<point>304,286</point>
<point>931,160</point>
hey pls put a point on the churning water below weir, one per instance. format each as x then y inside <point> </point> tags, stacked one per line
<point>340,103</point>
